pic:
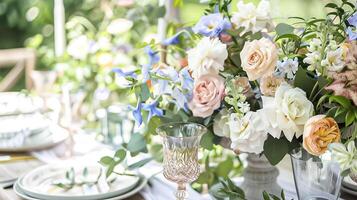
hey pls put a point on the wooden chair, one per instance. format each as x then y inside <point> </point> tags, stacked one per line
<point>21,61</point>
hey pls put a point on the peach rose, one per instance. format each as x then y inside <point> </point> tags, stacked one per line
<point>319,132</point>
<point>208,93</point>
<point>269,84</point>
<point>259,58</point>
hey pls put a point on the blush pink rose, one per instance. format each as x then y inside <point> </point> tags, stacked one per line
<point>208,93</point>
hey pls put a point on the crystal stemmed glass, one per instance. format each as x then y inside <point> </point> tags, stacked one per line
<point>180,143</point>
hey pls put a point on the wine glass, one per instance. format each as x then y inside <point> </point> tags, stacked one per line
<point>180,143</point>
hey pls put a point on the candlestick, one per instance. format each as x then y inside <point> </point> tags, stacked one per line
<point>59,20</point>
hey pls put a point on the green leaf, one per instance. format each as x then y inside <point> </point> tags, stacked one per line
<point>332,111</point>
<point>139,163</point>
<point>145,92</point>
<point>206,177</point>
<point>343,101</point>
<point>235,188</point>
<point>350,118</point>
<point>331,5</point>
<point>224,168</point>
<point>282,29</point>
<point>304,81</point>
<point>207,140</point>
<point>152,125</point>
<point>106,160</point>
<point>282,195</point>
<point>266,195</point>
<point>157,152</point>
<point>136,143</point>
<point>321,100</point>
<point>110,170</point>
<point>288,36</point>
<point>120,155</point>
<point>275,149</point>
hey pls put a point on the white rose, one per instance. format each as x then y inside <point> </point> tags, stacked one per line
<point>119,25</point>
<point>207,57</point>
<point>220,124</point>
<point>247,133</point>
<point>288,111</point>
<point>253,18</point>
<point>79,47</point>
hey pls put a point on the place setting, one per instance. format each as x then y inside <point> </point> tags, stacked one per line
<point>75,182</point>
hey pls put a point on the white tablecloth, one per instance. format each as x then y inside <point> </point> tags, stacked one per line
<point>86,150</point>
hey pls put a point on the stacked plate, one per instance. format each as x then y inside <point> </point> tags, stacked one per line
<point>23,127</point>
<point>349,186</point>
<point>74,182</point>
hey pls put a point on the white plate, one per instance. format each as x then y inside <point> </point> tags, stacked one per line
<point>349,183</point>
<point>349,191</point>
<point>140,186</point>
<point>46,139</point>
<point>39,183</point>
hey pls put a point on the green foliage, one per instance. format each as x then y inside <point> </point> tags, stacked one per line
<point>71,181</point>
<point>276,148</point>
<point>227,189</point>
<point>268,196</point>
<point>137,143</point>
<point>283,29</point>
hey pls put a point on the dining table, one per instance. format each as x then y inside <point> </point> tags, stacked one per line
<point>86,149</point>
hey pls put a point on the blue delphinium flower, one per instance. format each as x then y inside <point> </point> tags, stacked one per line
<point>186,80</point>
<point>137,114</point>
<point>212,25</point>
<point>352,31</point>
<point>353,20</point>
<point>172,40</point>
<point>161,85</point>
<point>153,55</point>
<point>145,71</point>
<point>352,34</point>
<point>153,110</point>
<point>122,73</point>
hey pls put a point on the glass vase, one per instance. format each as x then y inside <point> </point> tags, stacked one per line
<point>180,145</point>
<point>316,178</point>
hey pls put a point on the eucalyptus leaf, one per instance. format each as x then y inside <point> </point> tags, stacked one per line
<point>137,143</point>
<point>282,29</point>
<point>106,160</point>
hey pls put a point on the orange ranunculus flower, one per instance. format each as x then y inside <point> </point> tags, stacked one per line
<point>319,132</point>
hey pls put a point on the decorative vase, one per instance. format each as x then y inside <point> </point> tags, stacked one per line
<point>317,178</point>
<point>260,176</point>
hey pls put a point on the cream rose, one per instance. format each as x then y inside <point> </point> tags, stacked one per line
<point>208,93</point>
<point>259,58</point>
<point>319,132</point>
<point>269,84</point>
<point>287,112</point>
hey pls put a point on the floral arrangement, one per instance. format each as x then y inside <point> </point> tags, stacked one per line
<point>266,88</point>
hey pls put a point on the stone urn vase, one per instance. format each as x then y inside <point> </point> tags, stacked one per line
<point>260,176</point>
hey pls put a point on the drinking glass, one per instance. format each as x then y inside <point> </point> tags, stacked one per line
<point>180,144</point>
<point>316,178</point>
